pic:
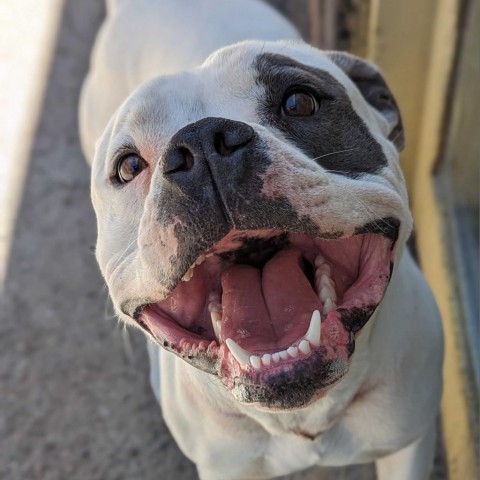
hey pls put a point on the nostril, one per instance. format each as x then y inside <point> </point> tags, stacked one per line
<point>188,158</point>
<point>199,143</point>
<point>179,159</point>
<point>226,143</point>
<point>220,147</point>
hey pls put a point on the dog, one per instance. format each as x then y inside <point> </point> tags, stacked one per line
<point>252,221</point>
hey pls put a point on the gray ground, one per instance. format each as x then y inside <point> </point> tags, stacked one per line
<point>75,401</point>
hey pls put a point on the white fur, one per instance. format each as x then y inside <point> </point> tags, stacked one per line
<point>386,405</point>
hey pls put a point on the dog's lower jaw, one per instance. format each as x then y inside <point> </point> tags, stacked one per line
<point>296,389</point>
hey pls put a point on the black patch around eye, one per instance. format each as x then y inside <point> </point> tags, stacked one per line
<point>338,139</point>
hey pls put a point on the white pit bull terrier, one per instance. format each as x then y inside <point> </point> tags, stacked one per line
<point>252,220</point>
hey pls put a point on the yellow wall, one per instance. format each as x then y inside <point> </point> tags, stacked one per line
<point>415,44</point>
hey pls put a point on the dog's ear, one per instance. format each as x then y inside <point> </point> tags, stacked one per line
<point>374,89</point>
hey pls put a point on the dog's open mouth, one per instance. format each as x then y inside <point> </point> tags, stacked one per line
<point>272,312</point>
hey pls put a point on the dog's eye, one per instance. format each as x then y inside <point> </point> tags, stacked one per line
<point>129,167</point>
<point>299,104</point>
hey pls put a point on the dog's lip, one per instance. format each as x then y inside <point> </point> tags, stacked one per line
<point>206,353</point>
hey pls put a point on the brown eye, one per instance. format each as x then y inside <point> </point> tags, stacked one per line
<point>299,104</point>
<point>129,167</point>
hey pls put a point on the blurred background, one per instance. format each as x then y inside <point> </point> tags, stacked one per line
<point>75,402</point>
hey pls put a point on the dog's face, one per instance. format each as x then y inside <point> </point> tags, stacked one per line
<point>250,212</point>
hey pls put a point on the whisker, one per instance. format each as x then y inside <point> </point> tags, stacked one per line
<point>122,255</point>
<point>334,153</point>
<point>117,266</point>
<point>376,220</point>
<point>399,134</point>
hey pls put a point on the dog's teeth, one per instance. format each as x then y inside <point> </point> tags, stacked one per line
<point>200,260</point>
<point>255,361</point>
<point>275,357</point>
<point>328,306</point>
<point>314,331</point>
<point>319,260</point>
<point>214,304</point>
<point>216,322</point>
<point>241,355</point>
<point>188,275</point>
<point>324,294</point>
<point>292,351</point>
<point>304,347</point>
<point>312,337</point>
<point>326,281</point>
<point>323,270</point>
<point>266,359</point>
<point>214,307</point>
<point>283,354</point>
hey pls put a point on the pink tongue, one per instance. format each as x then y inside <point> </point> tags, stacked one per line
<point>267,309</point>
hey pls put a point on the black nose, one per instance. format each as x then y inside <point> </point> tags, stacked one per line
<point>202,142</point>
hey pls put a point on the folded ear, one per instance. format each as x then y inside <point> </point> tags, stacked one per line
<point>374,89</point>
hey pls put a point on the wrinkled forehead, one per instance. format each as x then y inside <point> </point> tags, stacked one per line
<point>229,84</point>
<point>252,58</point>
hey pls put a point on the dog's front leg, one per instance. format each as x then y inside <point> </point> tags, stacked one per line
<point>414,462</point>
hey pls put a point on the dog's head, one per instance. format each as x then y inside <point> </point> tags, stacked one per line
<point>250,212</point>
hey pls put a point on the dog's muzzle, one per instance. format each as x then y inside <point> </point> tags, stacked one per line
<point>256,294</point>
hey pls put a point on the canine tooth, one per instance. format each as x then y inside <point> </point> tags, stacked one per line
<point>266,359</point>
<point>328,306</point>
<point>292,351</point>
<point>241,355</point>
<point>304,347</point>
<point>276,357</point>
<point>255,361</point>
<point>216,323</point>
<point>314,331</point>
<point>283,354</point>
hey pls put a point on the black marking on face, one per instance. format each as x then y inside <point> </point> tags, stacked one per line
<point>216,191</point>
<point>293,389</point>
<point>256,251</point>
<point>335,136</point>
<point>388,227</point>
<point>375,90</point>
<point>354,319</point>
